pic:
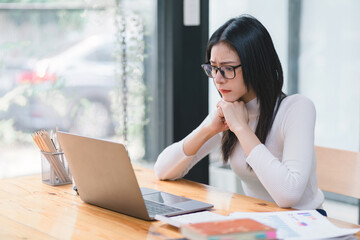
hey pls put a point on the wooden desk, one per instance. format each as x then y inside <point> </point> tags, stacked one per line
<point>30,209</point>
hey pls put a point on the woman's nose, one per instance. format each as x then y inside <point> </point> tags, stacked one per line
<point>219,77</point>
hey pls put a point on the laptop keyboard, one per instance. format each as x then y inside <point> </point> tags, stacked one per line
<point>157,208</point>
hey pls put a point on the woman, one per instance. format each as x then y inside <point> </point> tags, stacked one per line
<point>267,137</point>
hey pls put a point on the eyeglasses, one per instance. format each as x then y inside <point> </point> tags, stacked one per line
<point>227,71</point>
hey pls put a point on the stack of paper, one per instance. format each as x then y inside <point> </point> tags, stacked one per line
<point>308,224</point>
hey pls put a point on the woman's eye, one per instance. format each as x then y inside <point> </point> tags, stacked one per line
<point>227,68</point>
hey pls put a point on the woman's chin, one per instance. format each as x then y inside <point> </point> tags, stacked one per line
<point>229,99</point>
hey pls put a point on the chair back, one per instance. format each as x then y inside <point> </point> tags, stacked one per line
<point>338,171</point>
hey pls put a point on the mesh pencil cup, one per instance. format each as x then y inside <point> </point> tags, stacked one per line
<point>55,169</point>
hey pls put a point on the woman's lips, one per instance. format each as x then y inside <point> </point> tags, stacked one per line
<point>224,91</point>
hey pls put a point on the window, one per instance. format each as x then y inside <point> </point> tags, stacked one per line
<point>62,65</point>
<point>329,70</point>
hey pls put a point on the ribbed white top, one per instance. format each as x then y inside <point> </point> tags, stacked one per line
<point>282,171</point>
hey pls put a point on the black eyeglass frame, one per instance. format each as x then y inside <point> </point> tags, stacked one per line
<point>219,69</point>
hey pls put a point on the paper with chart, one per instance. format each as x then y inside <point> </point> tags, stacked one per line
<point>307,224</point>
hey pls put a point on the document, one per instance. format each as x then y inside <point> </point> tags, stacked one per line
<point>308,224</point>
<point>294,225</point>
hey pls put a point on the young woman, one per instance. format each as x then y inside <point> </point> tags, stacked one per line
<point>267,137</point>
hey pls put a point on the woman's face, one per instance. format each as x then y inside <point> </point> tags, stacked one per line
<point>231,89</point>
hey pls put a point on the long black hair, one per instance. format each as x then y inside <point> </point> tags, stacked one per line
<point>261,70</point>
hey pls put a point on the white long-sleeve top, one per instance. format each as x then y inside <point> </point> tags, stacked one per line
<point>282,171</point>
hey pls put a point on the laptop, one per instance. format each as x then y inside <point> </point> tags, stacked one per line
<point>104,177</point>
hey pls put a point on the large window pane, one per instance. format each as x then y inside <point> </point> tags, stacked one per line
<point>77,67</point>
<point>329,69</point>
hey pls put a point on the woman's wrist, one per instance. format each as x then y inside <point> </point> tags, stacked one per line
<point>195,141</point>
<point>208,132</point>
<point>241,130</point>
<point>247,139</point>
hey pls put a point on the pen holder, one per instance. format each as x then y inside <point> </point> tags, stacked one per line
<point>55,169</point>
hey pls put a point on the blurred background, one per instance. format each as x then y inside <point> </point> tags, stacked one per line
<point>122,69</point>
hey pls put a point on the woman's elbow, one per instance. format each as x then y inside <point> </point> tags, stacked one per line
<point>287,201</point>
<point>163,173</point>
<point>167,174</point>
<point>159,173</point>
<point>161,176</point>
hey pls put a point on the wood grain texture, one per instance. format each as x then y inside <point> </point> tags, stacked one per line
<point>30,209</point>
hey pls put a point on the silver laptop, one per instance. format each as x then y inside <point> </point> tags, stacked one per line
<point>105,177</point>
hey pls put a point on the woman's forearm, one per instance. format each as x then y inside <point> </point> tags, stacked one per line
<point>195,141</point>
<point>247,139</point>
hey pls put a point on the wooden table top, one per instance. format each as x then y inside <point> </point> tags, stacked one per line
<point>30,209</point>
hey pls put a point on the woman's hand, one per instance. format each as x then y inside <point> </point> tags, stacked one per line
<point>218,123</point>
<point>237,118</point>
<point>193,143</point>
<point>235,114</point>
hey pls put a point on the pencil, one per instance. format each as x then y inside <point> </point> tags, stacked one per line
<point>48,149</point>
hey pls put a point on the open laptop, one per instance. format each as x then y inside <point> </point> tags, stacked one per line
<point>105,177</point>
